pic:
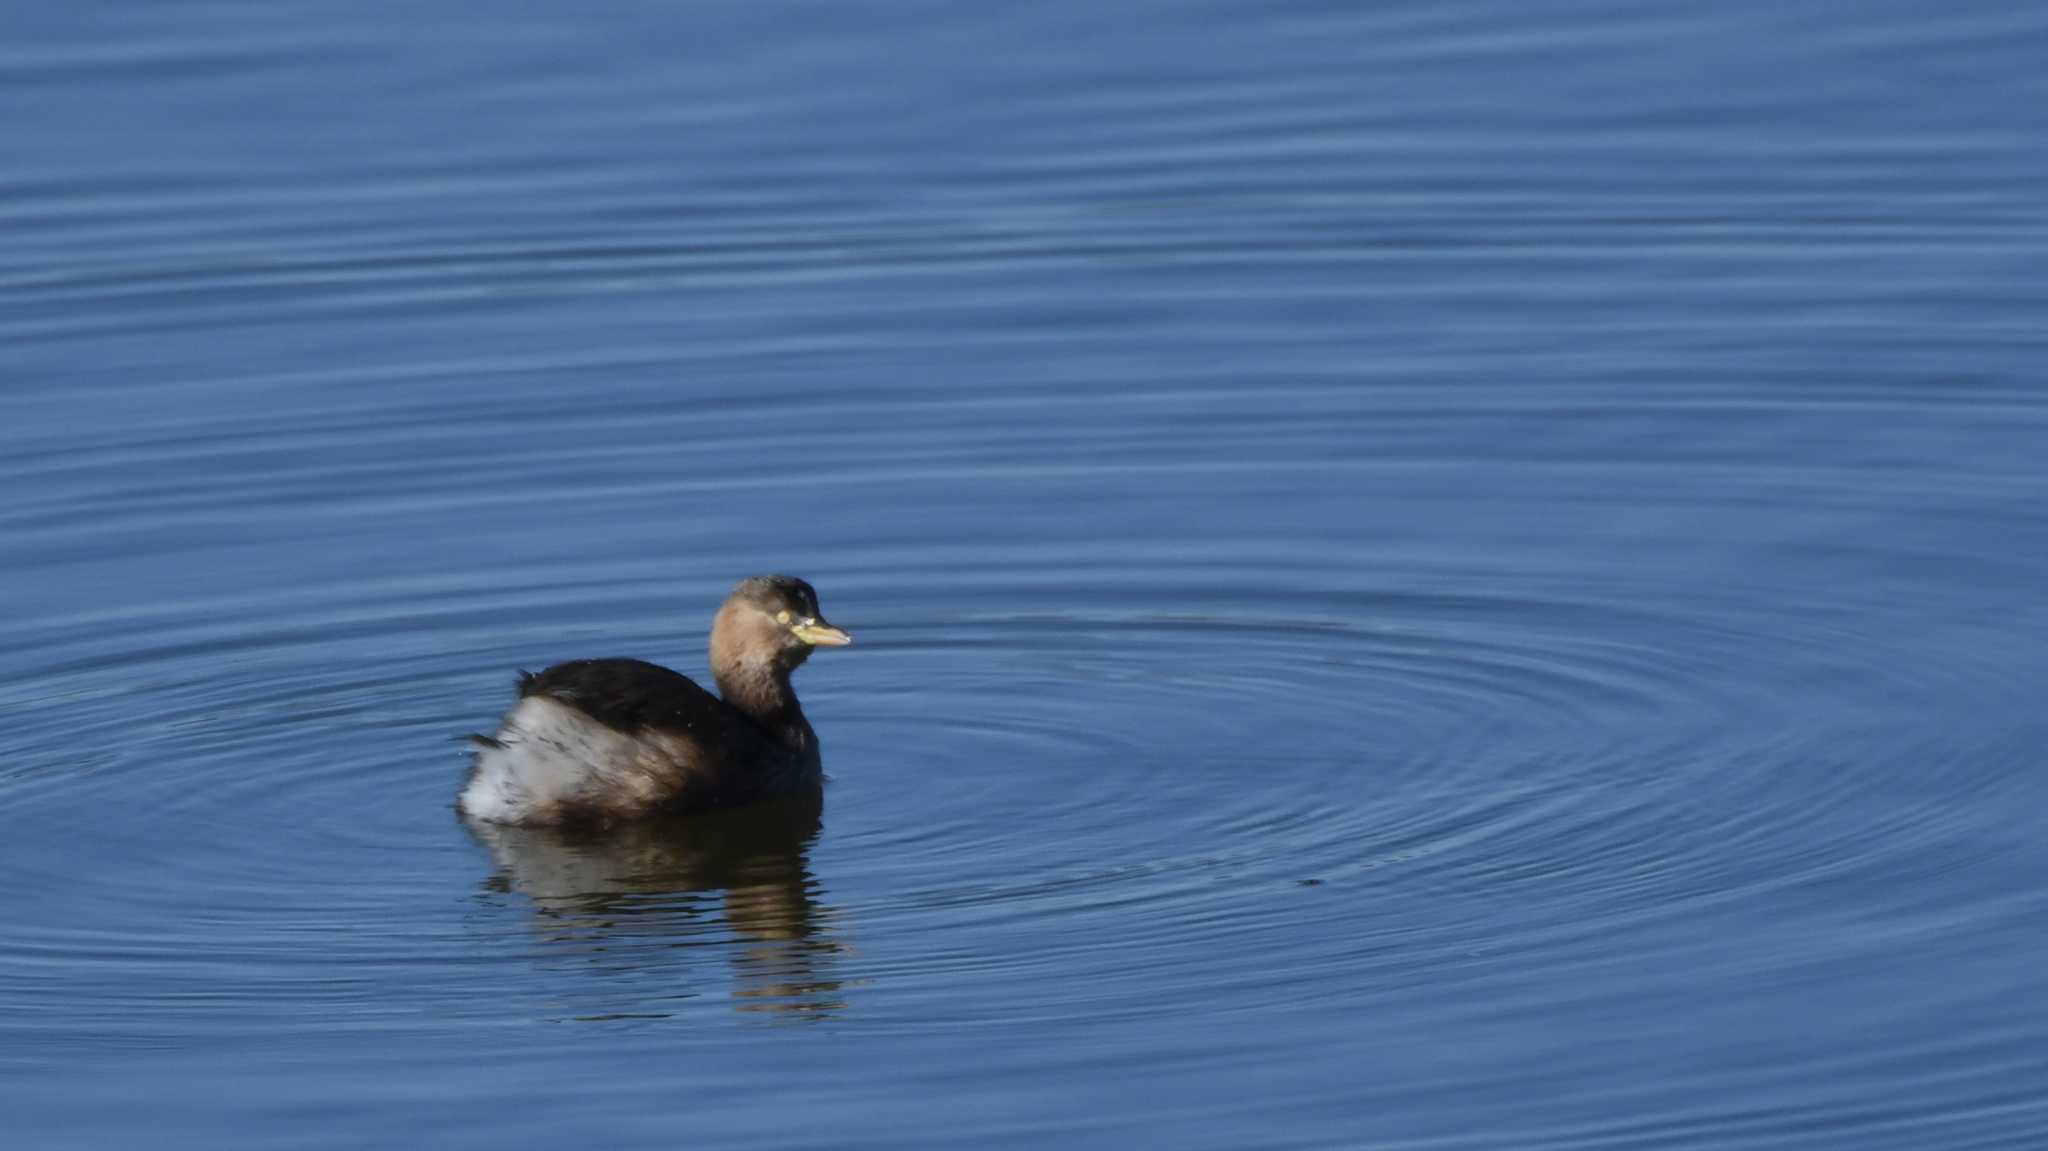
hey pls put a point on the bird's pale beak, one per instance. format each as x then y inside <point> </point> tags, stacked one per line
<point>820,634</point>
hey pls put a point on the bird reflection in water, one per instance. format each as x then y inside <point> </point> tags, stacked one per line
<point>651,897</point>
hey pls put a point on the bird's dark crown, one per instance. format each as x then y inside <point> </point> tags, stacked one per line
<point>773,593</point>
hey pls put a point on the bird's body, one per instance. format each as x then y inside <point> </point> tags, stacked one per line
<point>605,740</point>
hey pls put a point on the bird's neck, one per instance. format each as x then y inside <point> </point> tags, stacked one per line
<point>762,692</point>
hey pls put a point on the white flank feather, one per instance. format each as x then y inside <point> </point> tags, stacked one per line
<point>549,754</point>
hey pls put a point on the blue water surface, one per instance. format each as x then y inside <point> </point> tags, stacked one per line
<point>1427,576</point>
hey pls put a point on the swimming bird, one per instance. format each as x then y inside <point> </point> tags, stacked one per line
<point>597,741</point>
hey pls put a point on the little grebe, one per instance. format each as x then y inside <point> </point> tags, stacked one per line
<point>601,740</point>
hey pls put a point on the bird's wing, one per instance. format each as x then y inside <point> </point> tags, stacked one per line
<point>627,694</point>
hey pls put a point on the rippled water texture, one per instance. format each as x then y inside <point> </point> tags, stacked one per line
<point>1427,576</point>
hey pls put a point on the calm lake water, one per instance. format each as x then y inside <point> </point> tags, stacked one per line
<point>1435,576</point>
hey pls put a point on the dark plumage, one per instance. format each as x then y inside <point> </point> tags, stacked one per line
<point>627,694</point>
<point>599,740</point>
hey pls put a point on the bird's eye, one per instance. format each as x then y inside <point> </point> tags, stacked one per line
<point>782,617</point>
